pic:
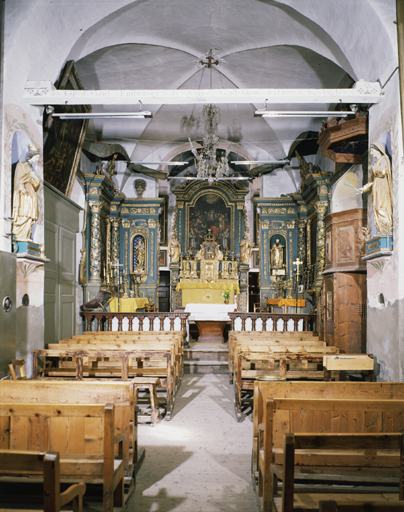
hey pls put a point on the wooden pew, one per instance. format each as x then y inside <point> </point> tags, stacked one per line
<point>297,362</point>
<point>264,391</point>
<point>90,362</point>
<point>281,338</point>
<point>128,342</point>
<point>347,465</point>
<point>361,506</point>
<point>47,467</point>
<point>54,391</point>
<point>61,427</point>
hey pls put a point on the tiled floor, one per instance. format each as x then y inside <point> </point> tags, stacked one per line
<point>200,460</point>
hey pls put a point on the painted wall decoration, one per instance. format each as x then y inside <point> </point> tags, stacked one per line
<point>210,212</point>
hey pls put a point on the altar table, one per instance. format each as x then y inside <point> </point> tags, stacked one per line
<point>301,303</point>
<point>127,305</point>
<point>206,293</point>
<point>211,320</point>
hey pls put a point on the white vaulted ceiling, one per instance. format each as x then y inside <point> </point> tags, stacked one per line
<point>158,44</point>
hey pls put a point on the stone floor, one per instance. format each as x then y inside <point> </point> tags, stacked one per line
<point>200,460</point>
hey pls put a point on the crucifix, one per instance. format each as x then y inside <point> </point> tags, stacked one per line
<point>298,263</point>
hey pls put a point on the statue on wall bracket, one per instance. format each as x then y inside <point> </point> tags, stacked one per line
<point>381,186</point>
<point>25,198</point>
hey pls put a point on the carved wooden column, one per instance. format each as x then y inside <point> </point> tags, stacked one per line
<point>115,222</point>
<point>301,240</point>
<point>95,243</point>
<point>321,209</point>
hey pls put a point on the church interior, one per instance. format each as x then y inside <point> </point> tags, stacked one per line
<point>200,215</point>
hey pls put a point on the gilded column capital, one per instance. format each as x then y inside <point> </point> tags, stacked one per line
<point>95,206</point>
<point>152,223</point>
<point>301,223</point>
<point>321,207</point>
<point>115,221</point>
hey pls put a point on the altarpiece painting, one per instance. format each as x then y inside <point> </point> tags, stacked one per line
<point>209,213</point>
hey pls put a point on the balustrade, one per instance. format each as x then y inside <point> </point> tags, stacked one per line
<point>102,321</point>
<point>301,322</point>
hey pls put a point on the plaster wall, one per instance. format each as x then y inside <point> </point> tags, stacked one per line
<point>385,336</point>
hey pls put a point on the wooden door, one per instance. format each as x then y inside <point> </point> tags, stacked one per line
<point>164,291</point>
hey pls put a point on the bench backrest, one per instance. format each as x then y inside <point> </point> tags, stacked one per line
<point>120,393</point>
<point>58,427</point>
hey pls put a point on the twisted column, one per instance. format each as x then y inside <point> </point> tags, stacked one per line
<point>321,208</point>
<point>95,243</point>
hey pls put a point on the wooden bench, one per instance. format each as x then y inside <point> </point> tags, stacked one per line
<point>84,455</point>
<point>342,466</point>
<point>122,339</point>
<point>264,391</point>
<point>282,338</point>
<point>361,506</point>
<point>297,362</point>
<point>45,466</point>
<point>88,362</point>
<point>55,391</point>
<point>151,384</point>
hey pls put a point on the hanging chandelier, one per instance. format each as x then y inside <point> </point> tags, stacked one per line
<point>209,166</point>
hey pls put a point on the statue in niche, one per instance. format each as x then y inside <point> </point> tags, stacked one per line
<point>277,254</point>
<point>382,191</point>
<point>245,249</point>
<point>140,255</point>
<point>25,199</point>
<point>174,248</point>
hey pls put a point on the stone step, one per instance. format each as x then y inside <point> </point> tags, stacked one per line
<point>206,355</point>
<point>200,367</point>
<point>206,358</point>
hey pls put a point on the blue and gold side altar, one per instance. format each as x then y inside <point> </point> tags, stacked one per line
<point>120,242</point>
<point>292,230</point>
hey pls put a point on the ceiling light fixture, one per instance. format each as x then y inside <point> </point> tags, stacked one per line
<point>252,162</point>
<point>159,163</point>
<point>206,162</point>
<point>327,113</point>
<point>231,178</point>
<point>106,115</point>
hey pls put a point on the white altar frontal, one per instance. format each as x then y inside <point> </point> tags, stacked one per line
<point>211,320</point>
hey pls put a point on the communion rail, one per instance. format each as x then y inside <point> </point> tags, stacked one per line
<point>273,322</point>
<point>104,321</point>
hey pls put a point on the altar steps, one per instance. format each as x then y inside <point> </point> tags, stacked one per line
<point>202,358</point>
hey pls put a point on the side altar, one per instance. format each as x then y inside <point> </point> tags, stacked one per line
<point>206,276</point>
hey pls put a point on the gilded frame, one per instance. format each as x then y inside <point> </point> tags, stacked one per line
<point>63,139</point>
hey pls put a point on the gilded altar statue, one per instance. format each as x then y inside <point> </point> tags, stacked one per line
<point>245,249</point>
<point>382,191</point>
<point>25,199</point>
<point>174,248</point>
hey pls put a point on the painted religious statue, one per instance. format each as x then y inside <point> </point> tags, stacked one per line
<point>174,248</point>
<point>140,256</point>
<point>381,185</point>
<point>245,249</point>
<point>277,254</point>
<point>25,198</point>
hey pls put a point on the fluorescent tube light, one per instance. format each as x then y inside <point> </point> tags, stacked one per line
<point>106,115</point>
<point>252,162</point>
<point>159,163</point>
<point>327,113</point>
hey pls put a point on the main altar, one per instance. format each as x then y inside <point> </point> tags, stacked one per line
<point>206,276</point>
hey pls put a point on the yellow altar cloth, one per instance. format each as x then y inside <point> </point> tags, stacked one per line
<point>127,305</point>
<point>206,293</point>
<point>301,303</point>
